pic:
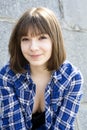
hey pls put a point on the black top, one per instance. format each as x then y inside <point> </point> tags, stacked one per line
<point>38,119</point>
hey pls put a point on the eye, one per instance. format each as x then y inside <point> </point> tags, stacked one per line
<point>42,37</point>
<point>25,39</point>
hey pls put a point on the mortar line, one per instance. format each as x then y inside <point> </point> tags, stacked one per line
<point>61,9</point>
<point>7,19</point>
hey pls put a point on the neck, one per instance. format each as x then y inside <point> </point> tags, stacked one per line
<point>40,70</point>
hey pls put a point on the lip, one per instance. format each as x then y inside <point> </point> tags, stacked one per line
<point>35,56</point>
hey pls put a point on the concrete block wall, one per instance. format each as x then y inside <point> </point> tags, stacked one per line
<point>72,15</point>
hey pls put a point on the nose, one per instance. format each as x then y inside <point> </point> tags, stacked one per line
<point>34,45</point>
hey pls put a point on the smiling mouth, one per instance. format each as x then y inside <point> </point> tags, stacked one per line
<point>35,56</point>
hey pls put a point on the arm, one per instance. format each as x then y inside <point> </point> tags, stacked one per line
<point>70,105</point>
<point>10,112</point>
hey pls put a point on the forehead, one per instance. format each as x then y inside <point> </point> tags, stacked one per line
<point>33,26</point>
<point>33,30</point>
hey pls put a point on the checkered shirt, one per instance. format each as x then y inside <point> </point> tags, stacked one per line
<point>62,98</point>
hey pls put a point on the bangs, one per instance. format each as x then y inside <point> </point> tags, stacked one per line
<point>32,27</point>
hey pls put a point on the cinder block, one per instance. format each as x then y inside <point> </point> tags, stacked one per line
<point>82,117</point>
<point>5,31</point>
<point>75,12</point>
<point>14,9</point>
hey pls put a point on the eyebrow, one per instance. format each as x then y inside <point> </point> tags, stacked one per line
<point>42,34</point>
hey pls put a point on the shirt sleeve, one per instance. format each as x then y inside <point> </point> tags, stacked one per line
<point>70,104</point>
<point>5,100</point>
<point>11,116</point>
<point>0,110</point>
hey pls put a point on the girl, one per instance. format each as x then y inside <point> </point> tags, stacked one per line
<point>39,89</point>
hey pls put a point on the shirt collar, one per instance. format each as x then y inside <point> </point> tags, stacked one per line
<point>23,76</point>
<point>57,74</point>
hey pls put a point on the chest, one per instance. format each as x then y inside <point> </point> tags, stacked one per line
<point>39,99</point>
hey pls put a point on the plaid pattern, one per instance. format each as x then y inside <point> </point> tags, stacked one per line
<point>62,98</point>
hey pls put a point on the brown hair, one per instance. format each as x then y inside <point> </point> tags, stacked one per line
<point>37,21</point>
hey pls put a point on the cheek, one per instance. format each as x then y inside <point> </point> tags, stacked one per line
<point>23,49</point>
<point>48,47</point>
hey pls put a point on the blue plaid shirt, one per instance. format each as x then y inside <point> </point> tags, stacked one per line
<point>62,98</point>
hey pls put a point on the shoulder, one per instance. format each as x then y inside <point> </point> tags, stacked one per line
<point>6,71</point>
<point>69,70</point>
<point>68,74</point>
<point>71,78</point>
<point>6,75</point>
<point>9,77</point>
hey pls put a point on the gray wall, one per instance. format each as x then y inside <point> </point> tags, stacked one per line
<point>72,15</point>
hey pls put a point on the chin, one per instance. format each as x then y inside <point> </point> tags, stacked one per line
<point>37,64</point>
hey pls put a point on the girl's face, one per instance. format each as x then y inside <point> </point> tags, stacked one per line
<point>36,50</point>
